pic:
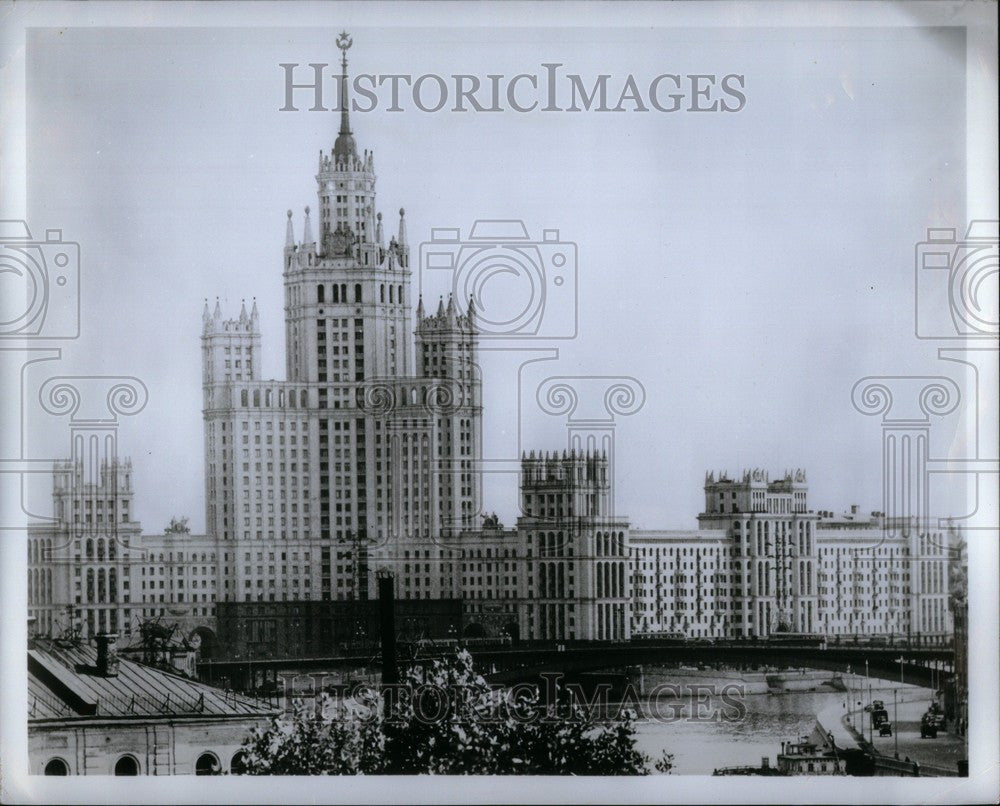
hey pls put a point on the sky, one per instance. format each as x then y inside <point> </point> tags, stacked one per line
<point>746,268</point>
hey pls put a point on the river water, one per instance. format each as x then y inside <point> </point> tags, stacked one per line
<point>715,734</point>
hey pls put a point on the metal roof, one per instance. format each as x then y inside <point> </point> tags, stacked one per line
<point>63,682</point>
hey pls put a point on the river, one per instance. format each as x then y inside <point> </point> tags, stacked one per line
<point>699,746</point>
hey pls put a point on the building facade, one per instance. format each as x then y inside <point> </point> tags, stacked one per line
<point>91,713</point>
<point>761,562</point>
<point>367,455</point>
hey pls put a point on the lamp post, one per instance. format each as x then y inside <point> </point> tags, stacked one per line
<point>850,697</point>
<point>895,720</point>
<point>871,736</point>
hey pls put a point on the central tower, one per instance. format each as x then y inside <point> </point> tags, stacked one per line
<point>356,454</point>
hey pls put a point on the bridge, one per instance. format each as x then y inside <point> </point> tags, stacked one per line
<point>526,660</point>
<point>919,665</point>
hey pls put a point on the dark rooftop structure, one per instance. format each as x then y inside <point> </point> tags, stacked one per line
<point>67,680</point>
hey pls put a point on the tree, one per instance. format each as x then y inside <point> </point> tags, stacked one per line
<point>446,720</point>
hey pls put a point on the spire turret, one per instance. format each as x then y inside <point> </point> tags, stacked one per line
<point>307,237</point>
<point>401,239</point>
<point>217,315</point>
<point>379,237</point>
<point>344,149</point>
<point>420,308</point>
<point>244,319</point>
<point>440,310</point>
<point>289,235</point>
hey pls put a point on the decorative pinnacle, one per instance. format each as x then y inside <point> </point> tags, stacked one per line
<point>344,42</point>
<point>344,149</point>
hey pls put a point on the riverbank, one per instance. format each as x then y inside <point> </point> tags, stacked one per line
<point>765,681</point>
<point>935,757</point>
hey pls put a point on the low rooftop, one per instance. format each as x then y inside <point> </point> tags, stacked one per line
<point>64,681</point>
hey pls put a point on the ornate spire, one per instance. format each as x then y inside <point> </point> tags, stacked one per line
<point>440,310</point>
<point>344,149</point>
<point>205,315</point>
<point>402,227</point>
<point>307,236</point>
<point>379,238</point>
<point>451,308</point>
<point>244,319</point>
<point>289,235</point>
<point>254,316</point>
<point>218,311</point>
<point>420,307</point>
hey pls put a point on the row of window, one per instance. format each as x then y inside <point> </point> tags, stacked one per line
<point>207,764</point>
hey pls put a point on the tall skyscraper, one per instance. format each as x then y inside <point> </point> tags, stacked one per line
<point>368,457</point>
<point>358,451</point>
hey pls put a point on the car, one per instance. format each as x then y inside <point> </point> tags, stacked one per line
<point>885,729</point>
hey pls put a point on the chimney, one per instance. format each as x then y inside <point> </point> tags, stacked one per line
<point>107,655</point>
<point>854,509</point>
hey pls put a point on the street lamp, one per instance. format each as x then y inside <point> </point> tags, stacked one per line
<point>895,720</point>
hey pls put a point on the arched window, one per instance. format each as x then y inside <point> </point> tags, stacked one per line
<point>100,549</point>
<point>207,764</point>
<point>243,397</point>
<point>320,293</point>
<point>238,765</point>
<point>381,292</point>
<point>126,765</point>
<point>256,397</point>
<point>57,767</point>
<point>392,295</point>
<point>112,549</point>
<point>90,549</point>
<point>357,292</point>
<point>336,293</point>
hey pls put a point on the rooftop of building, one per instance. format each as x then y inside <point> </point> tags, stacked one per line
<point>65,682</point>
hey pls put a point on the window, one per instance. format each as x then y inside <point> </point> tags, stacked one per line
<point>207,763</point>
<point>127,765</point>
<point>56,767</point>
<point>238,766</point>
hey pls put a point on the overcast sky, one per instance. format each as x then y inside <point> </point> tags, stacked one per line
<point>746,267</point>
